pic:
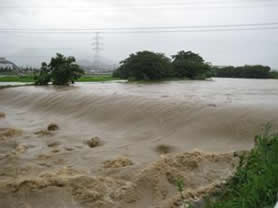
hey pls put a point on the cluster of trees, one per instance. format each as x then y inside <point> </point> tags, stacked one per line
<point>24,70</point>
<point>6,69</point>
<point>247,71</point>
<point>60,71</point>
<point>147,65</point>
<point>28,70</point>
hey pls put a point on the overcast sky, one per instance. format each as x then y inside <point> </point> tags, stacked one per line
<point>220,48</point>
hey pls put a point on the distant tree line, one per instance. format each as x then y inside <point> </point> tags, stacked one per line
<point>24,70</point>
<point>274,74</point>
<point>147,65</point>
<point>6,69</point>
<point>247,71</point>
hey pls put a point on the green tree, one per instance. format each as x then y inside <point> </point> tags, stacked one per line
<point>145,65</point>
<point>190,65</point>
<point>274,74</point>
<point>61,71</point>
<point>44,76</point>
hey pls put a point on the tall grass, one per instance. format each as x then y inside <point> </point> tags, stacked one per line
<point>255,184</point>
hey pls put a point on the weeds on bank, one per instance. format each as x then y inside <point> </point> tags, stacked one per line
<point>180,188</point>
<point>255,184</point>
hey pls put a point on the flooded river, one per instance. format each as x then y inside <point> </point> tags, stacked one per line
<point>136,124</point>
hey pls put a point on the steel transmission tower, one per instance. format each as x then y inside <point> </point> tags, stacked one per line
<point>97,47</point>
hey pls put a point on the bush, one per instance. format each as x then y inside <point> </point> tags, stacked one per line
<point>144,65</point>
<point>61,71</point>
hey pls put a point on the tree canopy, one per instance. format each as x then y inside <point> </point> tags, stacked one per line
<point>147,65</point>
<point>61,71</point>
<point>144,65</point>
<point>190,65</point>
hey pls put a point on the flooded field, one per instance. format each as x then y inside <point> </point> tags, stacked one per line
<point>123,145</point>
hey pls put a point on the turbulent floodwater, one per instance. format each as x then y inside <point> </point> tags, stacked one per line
<point>136,124</point>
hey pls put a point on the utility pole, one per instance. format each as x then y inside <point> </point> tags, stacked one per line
<point>97,47</point>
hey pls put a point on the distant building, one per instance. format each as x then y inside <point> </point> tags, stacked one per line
<point>4,63</point>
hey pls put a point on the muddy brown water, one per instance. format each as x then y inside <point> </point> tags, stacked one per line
<point>132,121</point>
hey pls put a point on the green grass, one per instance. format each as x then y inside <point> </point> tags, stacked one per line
<point>255,184</point>
<point>86,78</point>
<point>97,78</point>
<point>17,79</point>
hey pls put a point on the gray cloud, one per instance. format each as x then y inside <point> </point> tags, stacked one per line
<point>222,48</point>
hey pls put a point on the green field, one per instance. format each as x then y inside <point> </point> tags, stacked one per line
<point>86,78</point>
<point>24,79</point>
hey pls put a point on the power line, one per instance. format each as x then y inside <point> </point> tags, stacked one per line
<point>28,56</point>
<point>136,28</point>
<point>151,30</point>
<point>87,5</point>
<point>90,10</point>
<point>166,31</point>
<point>140,5</point>
<point>189,31</point>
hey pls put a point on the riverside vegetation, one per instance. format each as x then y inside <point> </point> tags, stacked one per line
<point>247,71</point>
<point>60,71</point>
<point>255,184</point>
<point>143,65</point>
<point>147,65</point>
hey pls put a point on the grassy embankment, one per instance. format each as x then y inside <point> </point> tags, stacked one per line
<point>87,78</point>
<point>24,79</point>
<point>97,78</point>
<point>255,184</point>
